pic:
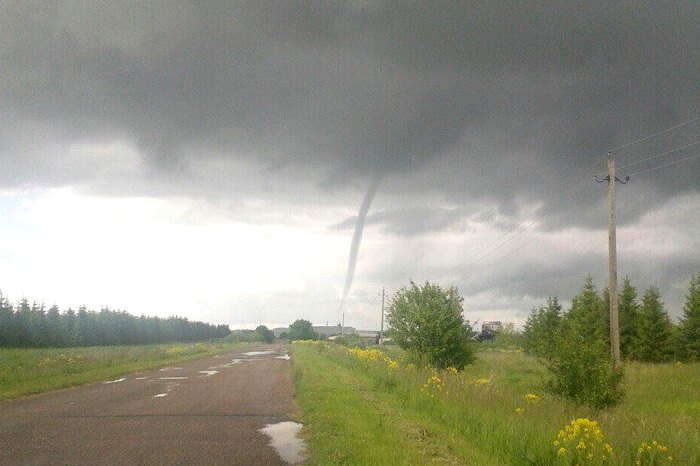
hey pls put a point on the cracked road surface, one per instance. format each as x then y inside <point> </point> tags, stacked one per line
<point>205,412</point>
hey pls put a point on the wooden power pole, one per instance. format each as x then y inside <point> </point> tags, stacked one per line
<point>612,261</point>
<point>612,265</point>
<point>381,329</point>
<point>342,324</point>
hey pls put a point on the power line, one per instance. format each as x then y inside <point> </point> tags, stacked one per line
<point>661,154</point>
<point>503,240</point>
<point>513,251</point>
<point>494,246</point>
<point>665,165</point>
<point>654,134</point>
<point>522,227</point>
<point>503,243</point>
<point>500,238</point>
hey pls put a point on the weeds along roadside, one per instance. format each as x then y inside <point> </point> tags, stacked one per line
<point>498,406</point>
<point>31,371</point>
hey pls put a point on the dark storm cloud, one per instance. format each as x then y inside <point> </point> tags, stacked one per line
<point>498,99</point>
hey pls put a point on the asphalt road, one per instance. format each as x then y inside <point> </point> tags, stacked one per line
<point>180,415</point>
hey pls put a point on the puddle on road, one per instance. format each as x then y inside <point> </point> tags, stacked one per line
<point>208,373</point>
<point>169,388</point>
<point>284,356</point>
<point>258,353</point>
<point>284,439</point>
<point>115,381</point>
<point>228,365</point>
<point>141,378</point>
<point>168,369</point>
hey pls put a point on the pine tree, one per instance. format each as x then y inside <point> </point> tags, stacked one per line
<point>54,327</point>
<point>530,331</point>
<point>8,329</point>
<point>32,326</point>
<point>580,362</point>
<point>655,329</point>
<point>605,317</point>
<point>628,309</point>
<point>689,335</point>
<point>84,328</point>
<point>538,333</point>
<point>23,324</point>
<point>69,327</point>
<point>588,313</point>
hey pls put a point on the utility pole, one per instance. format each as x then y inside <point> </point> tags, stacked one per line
<point>381,329</point>
<point>612,265</point>
<point>612,261</point>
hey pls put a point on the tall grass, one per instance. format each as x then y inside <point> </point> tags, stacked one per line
<point>29,371</point>
<point>484,407</point>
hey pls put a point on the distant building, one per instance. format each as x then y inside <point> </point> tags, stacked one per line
<point>484,335</point>
<point>322,330</point>
<point>329,330</point>
<point>492,326</point>
<point>369,336</point>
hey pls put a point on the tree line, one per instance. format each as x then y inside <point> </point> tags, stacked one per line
<point>575,345</point>
<point>28,325</point>
<point>647,333</point>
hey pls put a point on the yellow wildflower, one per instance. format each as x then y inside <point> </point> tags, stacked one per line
<point>433,385</point>
<point>480,381</point>
<point>366,355</point>
<point>584,440</point>
<point>652,453</point>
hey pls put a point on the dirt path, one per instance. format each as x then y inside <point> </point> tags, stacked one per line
<point>207,411</point>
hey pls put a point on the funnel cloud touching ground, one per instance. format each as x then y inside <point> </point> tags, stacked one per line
<point>221,150</point>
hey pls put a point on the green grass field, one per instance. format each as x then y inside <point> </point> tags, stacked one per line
<point>358,410</point>
<point>29,371</point>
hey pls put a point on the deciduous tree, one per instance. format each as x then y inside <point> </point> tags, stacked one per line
<point>301,330</point>
<point>429,322</point>
<point>266,335</point>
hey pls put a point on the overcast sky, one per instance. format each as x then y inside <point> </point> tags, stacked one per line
<point>209,160</point>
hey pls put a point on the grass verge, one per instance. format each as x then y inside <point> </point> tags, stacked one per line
<point>357,409</point>
<point>30,371</point>
<point>348,421</point>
